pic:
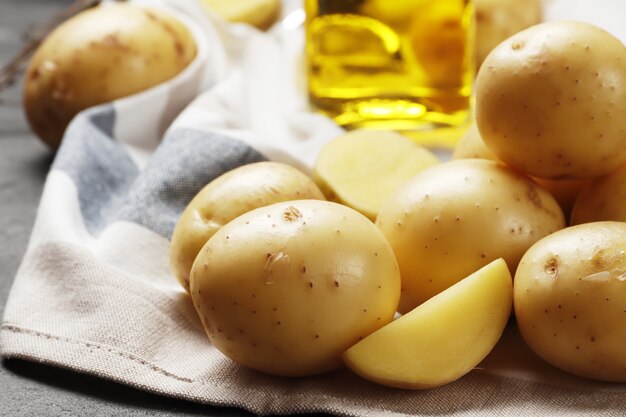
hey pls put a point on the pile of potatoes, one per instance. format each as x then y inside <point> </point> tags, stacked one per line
<point>290,284</point>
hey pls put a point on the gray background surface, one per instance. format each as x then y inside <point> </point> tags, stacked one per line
<point>31,389</point>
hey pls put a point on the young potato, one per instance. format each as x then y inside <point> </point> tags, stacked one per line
<point>570,300</point>
<point>228,196</point>
<point>439,39</point>
<point>602,199</point>
<point>472,145</point>
<point>456,217</point>
<point>362,168</point>
<point>98,56</point>
<point>286,289</point>
<point>259,13</point>
<point>496,20</point>
<point>550,100</point>
<point>565,192</point>
<point>416,351</point>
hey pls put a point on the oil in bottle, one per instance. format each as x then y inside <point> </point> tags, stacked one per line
<point>404,65</point>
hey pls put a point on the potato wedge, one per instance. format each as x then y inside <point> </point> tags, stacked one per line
<point>361,169</point>
<point>442,339</point>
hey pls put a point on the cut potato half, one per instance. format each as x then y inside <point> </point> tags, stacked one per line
<point>361,169</point>
<point>442,339</point>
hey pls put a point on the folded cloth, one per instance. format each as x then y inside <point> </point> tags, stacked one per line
<point>94,292</point>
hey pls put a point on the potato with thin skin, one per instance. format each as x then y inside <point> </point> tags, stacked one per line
<point>286,289</point>
<point>439,39</point>
<point>259,13</point>
<point>100,55</point>
<point>230,195</point>
<point>550,101</point>
<point>496,20</point>
<point>602,199</point>
<point>565,192</point>
<point>471,145</point>
<point>454,218</point>
<point>570,300</point>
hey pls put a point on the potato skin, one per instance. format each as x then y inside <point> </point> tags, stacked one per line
<point>550,101</point>
<point>602,199</point>
<point>565,192</point>
<point>456,217</point>
<point>570,300</point>
<point>97,56</point>
<point>471,145</point>
<point>440,42</point>
<point>496,20</point>
<point>286,289</point>
<point>230,195</point>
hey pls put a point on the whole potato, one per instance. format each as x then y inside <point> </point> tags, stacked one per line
<point>570,299</point>
<point>228,196</point>
<point>259,13</point>
<point>550,101</point>
<point>496,20</point>
<point>98,56</point>
<point>602,199</point>
<point>454,218</point>
<point>471,145</point>
<point>439,39</point>
<point>565,192</point>
<point>286,289</point>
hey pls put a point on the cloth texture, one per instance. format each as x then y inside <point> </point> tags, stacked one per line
<point>95,294</point>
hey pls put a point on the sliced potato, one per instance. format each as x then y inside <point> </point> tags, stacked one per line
<point>361,169</point>
<point>441,340</point>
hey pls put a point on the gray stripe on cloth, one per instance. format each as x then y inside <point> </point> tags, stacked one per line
<point>112,188</point>
<point>104,120</point>
<point>99,166</point>
<point>185,162</point>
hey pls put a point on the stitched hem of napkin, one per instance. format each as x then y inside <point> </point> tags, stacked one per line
<point>23,343</point>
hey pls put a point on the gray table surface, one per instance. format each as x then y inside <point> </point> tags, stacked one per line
<point>32,389</point>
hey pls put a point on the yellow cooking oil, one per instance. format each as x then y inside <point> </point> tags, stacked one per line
<point>404,65</point>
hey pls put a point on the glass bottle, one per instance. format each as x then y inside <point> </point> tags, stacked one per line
<point>404,65</point>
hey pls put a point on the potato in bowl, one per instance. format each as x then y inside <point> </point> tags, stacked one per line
<point>100,55</point>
